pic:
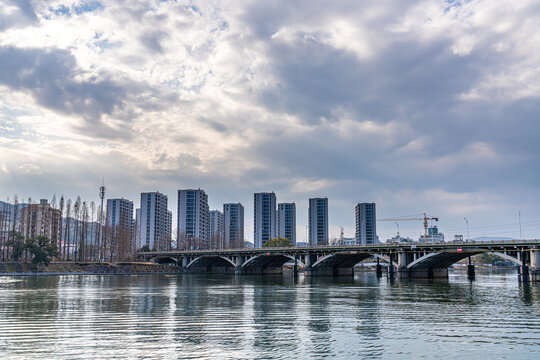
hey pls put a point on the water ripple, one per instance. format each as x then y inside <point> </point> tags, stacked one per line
<point>227,317</point>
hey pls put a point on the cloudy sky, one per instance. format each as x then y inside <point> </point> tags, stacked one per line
<point>421,106</point>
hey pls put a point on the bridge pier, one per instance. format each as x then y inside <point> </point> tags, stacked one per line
<point>406,261</point>
<point>428,273</point>
<point>239,270</point>
<point>378,269</point>
<point>524,275</point>
<point>403,271</point>
<point>470,270</point>
<point>535,265</point>
<point>391,271</point>
<point>308,268</point>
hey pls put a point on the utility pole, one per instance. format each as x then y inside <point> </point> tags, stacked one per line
<point>519,217</point>
<point>100,237</point>
<point>467,222</point>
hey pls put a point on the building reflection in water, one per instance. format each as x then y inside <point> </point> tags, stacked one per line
<point>274,315</point>
<point>227,316</point>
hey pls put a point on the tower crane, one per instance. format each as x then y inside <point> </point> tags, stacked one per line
<point>414,217</point>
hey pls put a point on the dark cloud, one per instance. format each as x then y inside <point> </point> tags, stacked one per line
<point>214,124</point>
<point>152,40</point>
<point>54,79</point>
<point>24,14</point>
<point>408,80</point>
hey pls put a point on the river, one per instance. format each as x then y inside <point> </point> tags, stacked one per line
<point>246,317</point>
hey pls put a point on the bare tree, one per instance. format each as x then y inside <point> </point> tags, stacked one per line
<point>13,220</point>
<point>84,224</point>
<point>187,242</point>
<point>123,243</point>
<point>27,221</point>
<point>68,230</point>
<point>101,241</point>
<point>109,242</point>
<point>92,230</point>
<point>76,215</point>
<point>164,243</point>
<point>237,244</point>
<point>61,208</point>
<point>4,214</point>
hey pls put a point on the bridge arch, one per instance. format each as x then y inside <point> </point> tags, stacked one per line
<point>443,260</point>
<point>339,260</point>
<point>386,258</point>
<point>164,260</point>
<point>506,257</point>
<point>336,264</point>
<point>210,261</point>
<point>268,261</point>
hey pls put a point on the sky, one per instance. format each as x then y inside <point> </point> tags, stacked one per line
<point>420,106</point>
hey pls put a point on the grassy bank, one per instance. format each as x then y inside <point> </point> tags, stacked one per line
<point>22,268</point>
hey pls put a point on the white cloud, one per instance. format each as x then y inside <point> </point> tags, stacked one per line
<point>357,98</point>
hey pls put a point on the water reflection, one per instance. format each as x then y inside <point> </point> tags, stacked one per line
<point>270,317</point>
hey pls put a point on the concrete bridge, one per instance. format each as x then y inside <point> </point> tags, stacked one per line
<point>410,260</point>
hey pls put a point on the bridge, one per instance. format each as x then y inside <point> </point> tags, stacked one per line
<point>408,260</point>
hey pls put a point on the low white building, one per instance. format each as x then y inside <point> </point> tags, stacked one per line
<point>434,236</point>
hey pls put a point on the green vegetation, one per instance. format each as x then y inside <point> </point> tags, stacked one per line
<point>487,258</point>
<point>278,242</point>
<point>10,268</point>
<point>42,249</point>
<point>16,241</point>
<point>145,248</point>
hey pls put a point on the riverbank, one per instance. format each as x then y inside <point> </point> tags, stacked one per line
<point>65,268</point>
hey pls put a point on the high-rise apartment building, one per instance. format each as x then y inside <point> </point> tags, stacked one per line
<point>41,220</point>
<point>120,214</point>
<point>154,221</point>
<point>216,229</point>
<point>264,222</point>
<point>193,216</point>
<point>168,229</point>
<point>287,221</point>
<point>233,219</point>
<point>318,221</point>
<point>366,224</point>
<point>137,230</point>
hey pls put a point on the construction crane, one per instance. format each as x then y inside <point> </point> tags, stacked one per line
<point>413,217</point>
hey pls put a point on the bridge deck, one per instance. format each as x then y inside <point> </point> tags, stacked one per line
<point>516,245</point>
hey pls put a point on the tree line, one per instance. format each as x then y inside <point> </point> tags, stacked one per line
<point>73,228</point>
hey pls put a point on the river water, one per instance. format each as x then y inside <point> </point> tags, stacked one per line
<point>246,317</point>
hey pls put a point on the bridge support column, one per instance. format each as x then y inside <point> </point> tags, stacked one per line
<point>391,271</point>
<point>470,270</point>
<point>523,269</point>
<point>295,267</point>
<point>185,262</point>
<point>378,269</point>
<point>535,265</point>
<point>238,270</point>
<point>428,273</point>
<point>403,271</point>
<point>309,259</point>
<point>524,273</point>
